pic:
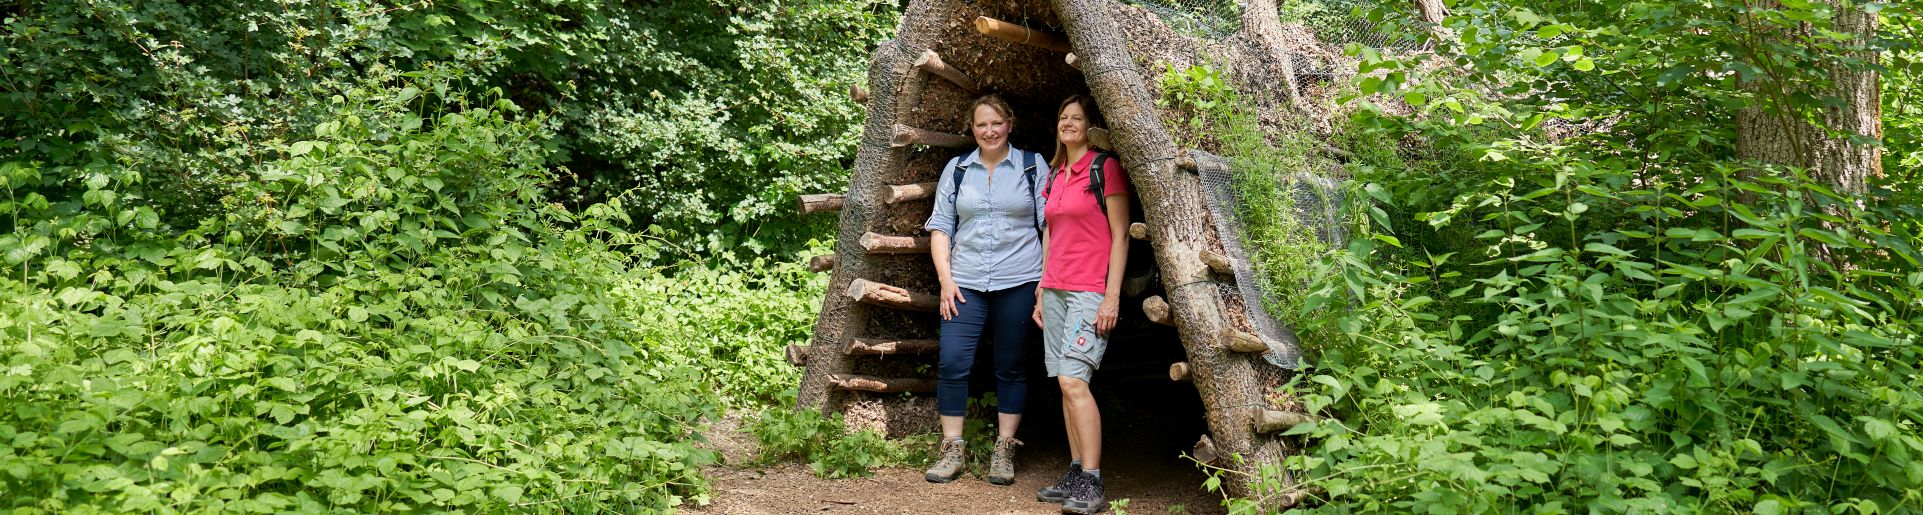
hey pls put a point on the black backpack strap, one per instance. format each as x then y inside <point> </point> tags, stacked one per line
<point>1034,161</point>
<point>954,194</point>
<point>1097,175</point>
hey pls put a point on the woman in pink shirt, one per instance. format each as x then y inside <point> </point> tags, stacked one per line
<point>1084,248</point>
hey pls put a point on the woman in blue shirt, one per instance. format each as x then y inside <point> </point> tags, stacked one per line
<point>985,237</point>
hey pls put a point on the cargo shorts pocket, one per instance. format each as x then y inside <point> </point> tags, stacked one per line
<point>1086,346</point>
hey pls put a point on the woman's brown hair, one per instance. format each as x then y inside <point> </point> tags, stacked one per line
<point>993,101</point>
<point>1094,120</point>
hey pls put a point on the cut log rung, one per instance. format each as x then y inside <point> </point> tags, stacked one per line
<point>1157,310</point>
<point>821,263</point>
<point>882,244</point>
<point>882,384</point>
<point>905,192</point>
<point>816,203</point>
<point>889,347</point>
<point>1242,342</point>
<point>931,62</point>
<point>1014,33</point>
<point>878,294</point>
<point>904,136</point>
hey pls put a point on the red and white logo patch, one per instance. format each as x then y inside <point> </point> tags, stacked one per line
<point>1081,341</point>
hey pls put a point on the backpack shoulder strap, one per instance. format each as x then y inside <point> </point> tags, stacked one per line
<point>1096,177</point>
<point>954,194</point>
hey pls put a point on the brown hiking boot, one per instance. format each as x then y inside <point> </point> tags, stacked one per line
<point>951,464</point>
<point>1001,464</point>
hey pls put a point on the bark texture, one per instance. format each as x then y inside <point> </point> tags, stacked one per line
<point>1774,137</point>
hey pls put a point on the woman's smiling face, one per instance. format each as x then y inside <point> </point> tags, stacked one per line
<point>1071,127</point>
<point>991,128</point>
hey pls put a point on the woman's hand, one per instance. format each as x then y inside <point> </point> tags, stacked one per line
<point>951,300</point>
<point>1038,309</point>
<point>1105,316</point>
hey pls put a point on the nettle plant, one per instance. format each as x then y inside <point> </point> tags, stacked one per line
<point>1585,302</point>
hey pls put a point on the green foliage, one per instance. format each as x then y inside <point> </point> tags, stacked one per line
<point>717,112</point>
<point>825,443</point>
<point>1573,297</point>
<point>386,316</point>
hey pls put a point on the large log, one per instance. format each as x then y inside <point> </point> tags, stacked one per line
<point>1157,310</point>
<point>1174,207</point>
<point>821,263</point>
<point>1239,341</point>
<point>881,384</point>
<point>1013,33</point>
<point>811,204</point>
<point>931,62</point>
<point>881,244</point>
<point>887,347</point>
<point>899,193</point>
<point>878,294</point>
<point>904,136</point>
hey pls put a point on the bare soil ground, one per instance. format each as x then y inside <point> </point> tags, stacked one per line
<point>1143,464</point>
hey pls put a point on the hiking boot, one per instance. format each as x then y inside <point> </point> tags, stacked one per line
<point>1001,464</point>
<point>1087,498</point>
<point>1058,492</point>
<point>951,464</point>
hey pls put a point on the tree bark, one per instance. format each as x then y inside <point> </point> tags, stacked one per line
<point>1780,137</point>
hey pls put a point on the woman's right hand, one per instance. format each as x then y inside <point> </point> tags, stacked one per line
<point>1038,309</point>
<point>951,300</point>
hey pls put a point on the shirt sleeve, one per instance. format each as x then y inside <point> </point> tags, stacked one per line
<point>942,220</point>
<point>1114,182</point>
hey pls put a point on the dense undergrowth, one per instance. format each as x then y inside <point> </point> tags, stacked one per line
<point>388,317</point>
<point>1564,293</point>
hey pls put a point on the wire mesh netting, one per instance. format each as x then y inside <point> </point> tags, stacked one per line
<point>1316,202</point>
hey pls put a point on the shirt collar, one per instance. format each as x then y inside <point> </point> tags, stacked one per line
<point>975,156</point>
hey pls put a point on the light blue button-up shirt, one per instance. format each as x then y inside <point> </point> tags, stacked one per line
<point>998,243</point>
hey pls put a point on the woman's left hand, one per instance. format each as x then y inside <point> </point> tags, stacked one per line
<point>1105,316</point>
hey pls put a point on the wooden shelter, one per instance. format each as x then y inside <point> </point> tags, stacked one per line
<point>879,312</point>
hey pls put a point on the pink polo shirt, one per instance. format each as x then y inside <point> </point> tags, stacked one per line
<point>1078,236</point>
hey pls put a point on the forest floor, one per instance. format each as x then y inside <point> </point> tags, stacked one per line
<point>1153,478</point>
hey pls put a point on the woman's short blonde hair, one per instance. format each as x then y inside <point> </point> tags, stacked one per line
<point>993,101</point>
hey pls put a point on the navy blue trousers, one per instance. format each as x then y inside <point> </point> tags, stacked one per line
<point>1001,317</point>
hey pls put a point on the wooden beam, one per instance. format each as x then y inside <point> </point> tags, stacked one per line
<point>878,294</point>
<point>797,355</point>
<point>821,263</point>
<point>811,204</point>
<point>905,136</point>
<point>1217,262</point>
<point>1157,310</point>
<point>1073,62</point>
<point>1271,421</point>
<point>1138,230</point>
<point>881,384</point>
<point>880,244</point>
<point>1187,163</point>
<point>1179,371</point>
<point>931,62</point>
<point>855,93</point>
<point>905,192</point>
<point>886,347</point>
<point>1242,342</point>
<point>1013,33</point>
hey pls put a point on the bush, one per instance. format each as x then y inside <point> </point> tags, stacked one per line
<point>387,319</point>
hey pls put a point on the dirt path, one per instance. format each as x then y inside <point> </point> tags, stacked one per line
<point>1153,478</point>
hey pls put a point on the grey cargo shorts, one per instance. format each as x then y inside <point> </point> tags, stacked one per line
<point>1073,348</point>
